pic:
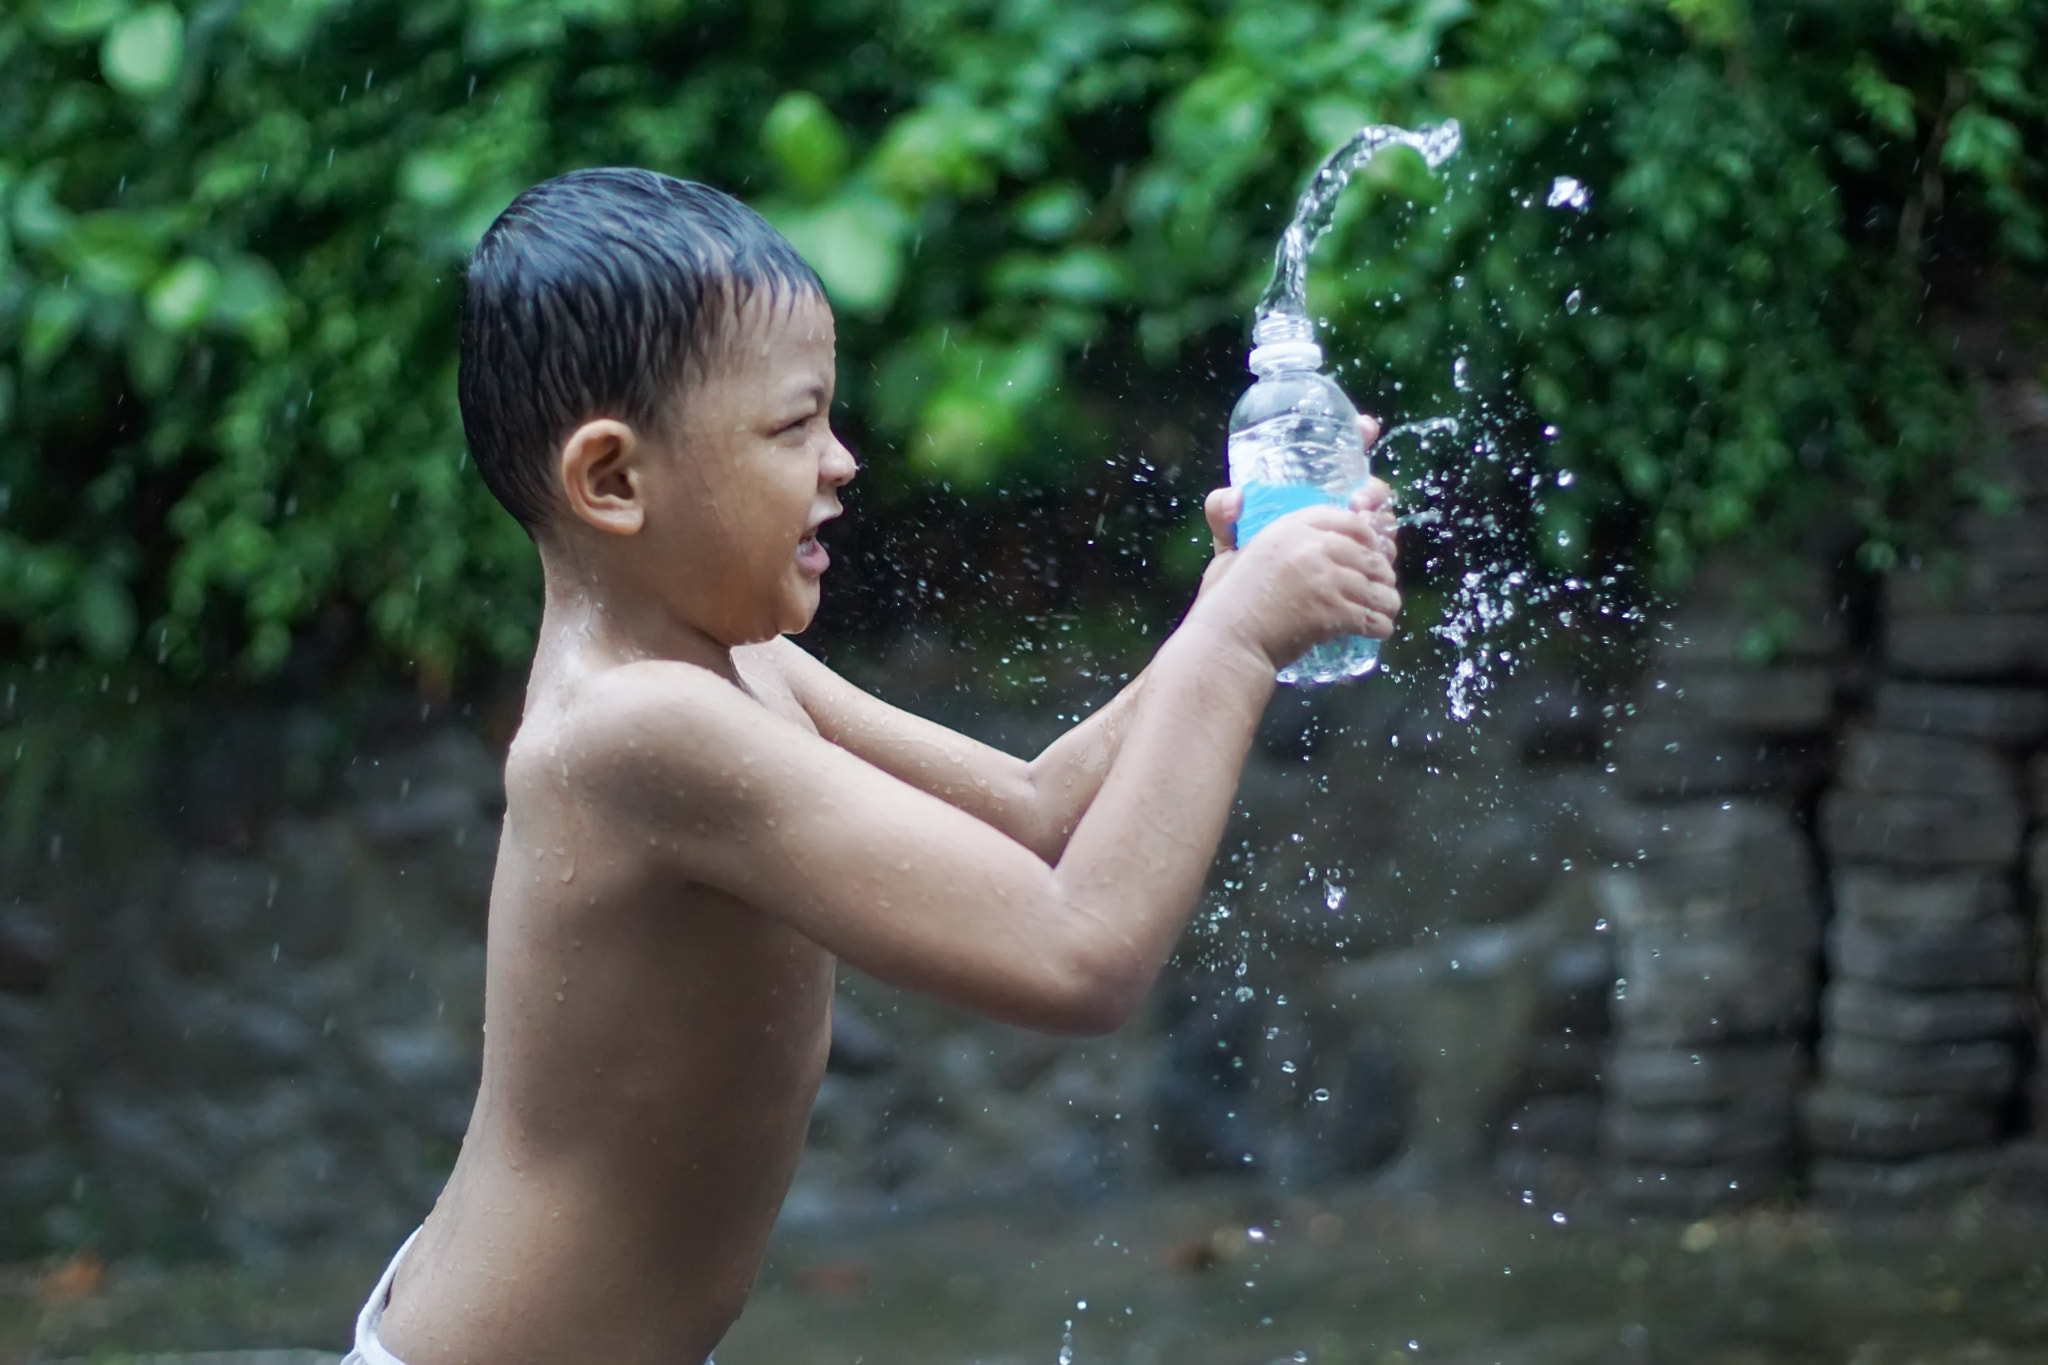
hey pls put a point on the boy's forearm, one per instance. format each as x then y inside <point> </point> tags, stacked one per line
<point>1068,772</point>
<point>1142,850</point>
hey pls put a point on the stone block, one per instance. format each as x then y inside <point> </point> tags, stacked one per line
<point>221,911</point>
<point>29,948</point>
<point>27,1106</point>
<point>2021,407</point>
<point>1922,831</point>
<point>1793,700</point>
<point>2021,467</point>
<point>1986,1071</point>
<point>1555,1125</point>
<point>1710,988</point>
<point>1999,565</point>
<point>1754,1126</point>
<point>1900,762</point>
<point>1950,897</point>
<point>1710,864</point>
<point>1675,759</point>
<point>1863,1009</point>
<point>1930,955</point>
<point>1659,1077</point>
<point>2016,716</point>
<point>1729,640</point>
<point>1561,1064</point>
<point>2016,1170</point>
<point>1988,648</point>
<point>1690,1192</point>
<point>1853,1123</point>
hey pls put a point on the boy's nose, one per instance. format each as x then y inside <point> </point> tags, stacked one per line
<point>839,466</point>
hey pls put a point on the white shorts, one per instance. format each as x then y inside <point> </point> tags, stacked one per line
<point>369,1350</point>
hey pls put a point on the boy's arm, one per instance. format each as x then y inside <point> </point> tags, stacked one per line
<point>1036,802</point>
<point>920,893</point>
<point>1039,802</point>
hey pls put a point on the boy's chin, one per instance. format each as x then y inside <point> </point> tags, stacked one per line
<point>799,611</point>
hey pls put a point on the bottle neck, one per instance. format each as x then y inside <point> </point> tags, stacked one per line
<point>1283,341</point>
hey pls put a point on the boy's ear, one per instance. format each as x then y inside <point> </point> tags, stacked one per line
<point>600,473</point>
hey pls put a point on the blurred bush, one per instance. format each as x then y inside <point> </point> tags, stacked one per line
<point>232,231</point>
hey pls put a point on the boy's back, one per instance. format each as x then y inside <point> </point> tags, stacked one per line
<point>701,818</point>
<point>653,1049</point>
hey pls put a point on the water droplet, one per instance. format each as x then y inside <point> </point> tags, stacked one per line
<point>1333,895</point>
<point>1287,1067</point>
<point>1245,994</point>
<point>1567,193</point>
<point>1573,300</point>
<point>1319,1095</point>
<point>1565,478</point>
<point>1460,376</point>
<point>1558,1218</point>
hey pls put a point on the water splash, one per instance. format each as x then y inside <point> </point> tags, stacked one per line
<point>1282,313</point>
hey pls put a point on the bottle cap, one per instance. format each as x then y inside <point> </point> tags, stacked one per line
<point>1285,355</point>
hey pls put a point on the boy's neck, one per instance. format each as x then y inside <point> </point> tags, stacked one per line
<point>591,622</point>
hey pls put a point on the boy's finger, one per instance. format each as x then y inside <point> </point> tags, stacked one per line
<point>1373,496</point>
<point>1369,427</point>
<point>1222,507</point>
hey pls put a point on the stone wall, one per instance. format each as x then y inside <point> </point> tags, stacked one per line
<point>1829,912</point>
<point>231,1026</point>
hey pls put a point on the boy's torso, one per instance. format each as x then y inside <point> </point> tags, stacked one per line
<point>652,1051</point>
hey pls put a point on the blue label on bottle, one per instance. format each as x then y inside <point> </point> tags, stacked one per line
<point>1266,502</point>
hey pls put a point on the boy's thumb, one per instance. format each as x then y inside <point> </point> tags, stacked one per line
<point>1221,508</point>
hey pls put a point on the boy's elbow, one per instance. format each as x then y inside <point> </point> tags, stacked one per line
<point>1097,993</point>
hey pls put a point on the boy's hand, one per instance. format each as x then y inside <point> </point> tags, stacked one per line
<point>1223,506</point>
<point>1325,575</point>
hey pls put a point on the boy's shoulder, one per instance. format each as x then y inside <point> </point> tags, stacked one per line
<point>653,720</point>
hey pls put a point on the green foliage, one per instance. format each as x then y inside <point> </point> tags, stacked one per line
<point>231,238</point>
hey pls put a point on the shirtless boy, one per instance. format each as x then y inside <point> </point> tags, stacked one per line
<point>702,820</point>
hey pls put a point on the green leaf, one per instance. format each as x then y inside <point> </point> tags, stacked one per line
<point>1981,141</point>
<point>1890,106</point>
<point>39,220</point>
<point>252,301</point>
<point>53,320</point>
<point>105,616</point>
<point>113,252</point>
<point>1051,212</point>
<point>806,143</point>
<point>143,52</point>
<point>183,295</point>
<point>434,176</point>
<point>75,21</point>
<point>854,242</point>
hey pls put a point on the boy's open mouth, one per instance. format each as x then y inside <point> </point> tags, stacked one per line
<point>811,556</point>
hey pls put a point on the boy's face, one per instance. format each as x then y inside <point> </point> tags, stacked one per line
<point>751,472</point>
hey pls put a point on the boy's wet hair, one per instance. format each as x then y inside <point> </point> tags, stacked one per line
<point>591,296</point>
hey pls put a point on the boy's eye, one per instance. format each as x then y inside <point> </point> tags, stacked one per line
<point>798,425</point>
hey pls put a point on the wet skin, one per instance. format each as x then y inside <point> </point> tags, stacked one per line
<point>701,818</point>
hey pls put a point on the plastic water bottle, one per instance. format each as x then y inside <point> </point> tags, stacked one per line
<point>1295,442</point>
